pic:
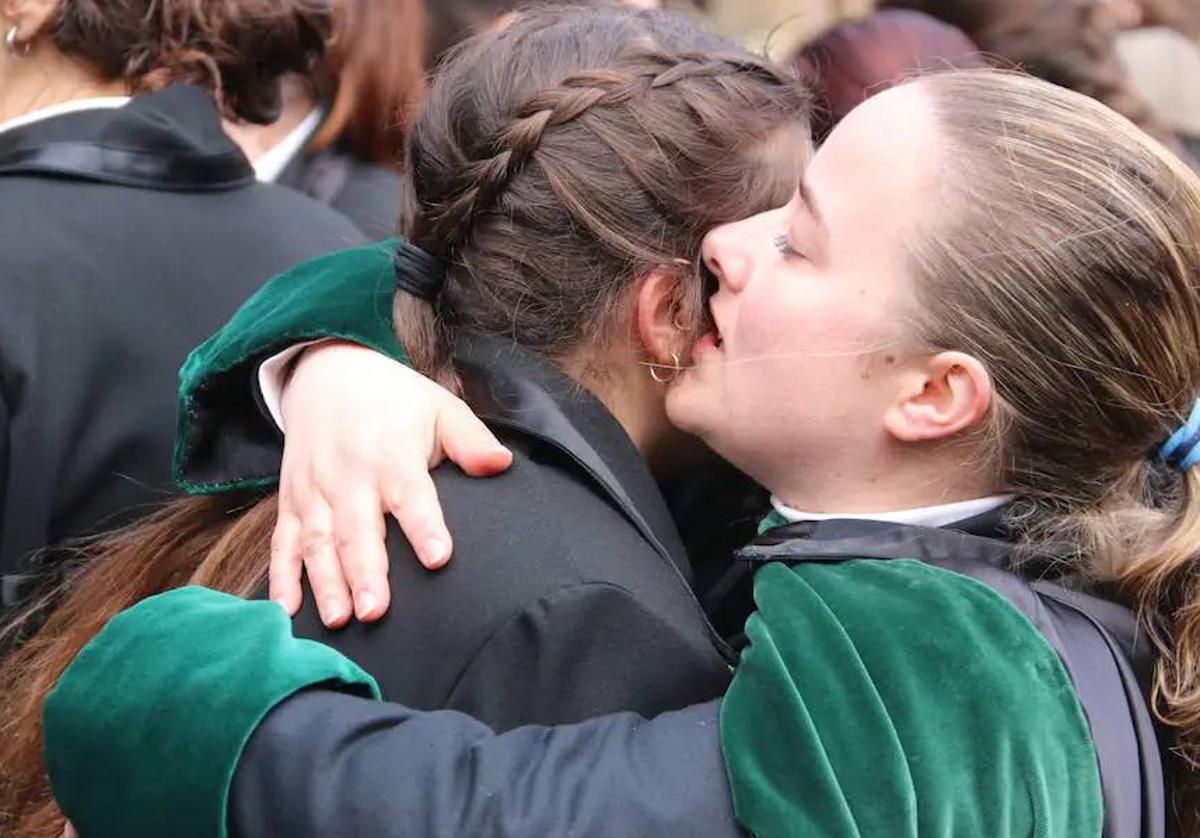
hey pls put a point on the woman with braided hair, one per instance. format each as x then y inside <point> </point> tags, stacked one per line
<point>965,360</point>
<point>562,173</point>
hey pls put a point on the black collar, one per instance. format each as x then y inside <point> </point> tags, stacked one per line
<point>510,386</point>
<point>171,140</point>
<point>981,538</point>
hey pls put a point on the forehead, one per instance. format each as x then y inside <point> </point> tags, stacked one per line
<point>878,171</point>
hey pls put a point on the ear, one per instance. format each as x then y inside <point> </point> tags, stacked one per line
<point>655,310</point>
<point>942,395</point>
<point>31,17</point>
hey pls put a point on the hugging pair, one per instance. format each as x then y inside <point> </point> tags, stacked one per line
<point>962,359</point>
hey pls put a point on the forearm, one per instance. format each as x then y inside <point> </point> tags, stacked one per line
<point>349,766</point>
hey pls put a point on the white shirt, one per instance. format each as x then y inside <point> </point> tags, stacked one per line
<point>101,103</point>
<point>940,515</point>
<point>272,374</point>
<point>270,166</point>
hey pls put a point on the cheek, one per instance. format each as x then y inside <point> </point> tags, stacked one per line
<point>800,335</point>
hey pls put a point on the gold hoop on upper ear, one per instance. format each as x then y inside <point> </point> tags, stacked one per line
<point>674,367</point>
<point>11,42</point>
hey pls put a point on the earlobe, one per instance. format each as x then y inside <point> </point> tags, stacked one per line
<point>31,16</point>
<point>949,393</point>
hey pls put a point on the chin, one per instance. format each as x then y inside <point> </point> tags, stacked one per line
<point>691,408</point>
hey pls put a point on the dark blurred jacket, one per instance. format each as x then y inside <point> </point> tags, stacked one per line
<point>366,193</point>
<point>128,236</point>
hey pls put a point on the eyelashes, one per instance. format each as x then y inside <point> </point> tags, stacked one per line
<point>784,246</point>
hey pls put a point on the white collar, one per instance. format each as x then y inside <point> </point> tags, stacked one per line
<point>270,166</point>
<point>924,516</point>
<point>100,103</point>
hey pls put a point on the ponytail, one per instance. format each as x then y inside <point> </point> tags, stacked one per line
<point>1163,582</point>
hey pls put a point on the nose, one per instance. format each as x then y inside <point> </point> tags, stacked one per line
<point>725,256</point>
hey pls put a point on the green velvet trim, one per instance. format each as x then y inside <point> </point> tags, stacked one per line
<point>772,520</point>
<point>345,295</point>
<point>894,698</point>
<point>116,710</point>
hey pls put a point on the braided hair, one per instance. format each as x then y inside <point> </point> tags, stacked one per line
<point>559,161</point>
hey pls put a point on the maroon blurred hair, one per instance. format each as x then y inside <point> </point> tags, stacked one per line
<point>853,61</point>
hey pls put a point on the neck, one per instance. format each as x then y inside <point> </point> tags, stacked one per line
<point>257,140</point>
<point>908,480</point>
<point>638,404</point>
<point>46,78</point>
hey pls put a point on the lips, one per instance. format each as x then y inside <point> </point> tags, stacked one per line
<point>712,336</point>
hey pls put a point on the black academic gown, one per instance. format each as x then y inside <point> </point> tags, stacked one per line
<point>366,193</point>
<point>128,236</point>
<point>356,767</point>
<point>568,596</point>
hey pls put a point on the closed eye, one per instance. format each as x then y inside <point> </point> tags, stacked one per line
<point>785,247</point>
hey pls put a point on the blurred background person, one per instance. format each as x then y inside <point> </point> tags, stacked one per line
<point>1160,51</point>
<point>857,59</point>
<point>132,227</point>
<point>341,132</point>
<point>1182,16</point>
<point>1071,43</point>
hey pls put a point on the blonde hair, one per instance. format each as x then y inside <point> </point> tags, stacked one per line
<point>1066,257</point>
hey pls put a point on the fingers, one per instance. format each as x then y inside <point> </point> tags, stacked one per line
<point>469,443</point>
<point>325,576</point>
<point>359,535</point>
<point>287,561</point>
<point>413,502</point>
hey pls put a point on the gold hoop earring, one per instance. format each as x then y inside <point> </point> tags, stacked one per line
<point>674,367</point>
<point>11,42</point>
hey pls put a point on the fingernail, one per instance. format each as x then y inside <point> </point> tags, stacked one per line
<point>436,552</point>
<point>333,611</point>
<point>367,603</point>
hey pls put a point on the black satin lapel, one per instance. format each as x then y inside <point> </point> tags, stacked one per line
<point>508,386</point>
<point>150,170</point>
<point>172,140</point>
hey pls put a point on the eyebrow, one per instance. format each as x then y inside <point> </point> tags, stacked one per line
<point>810,204</point>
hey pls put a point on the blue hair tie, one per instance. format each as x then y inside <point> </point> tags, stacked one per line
<point>1182,450</point>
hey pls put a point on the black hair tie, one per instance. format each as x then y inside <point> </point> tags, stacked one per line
<point>418,272</point>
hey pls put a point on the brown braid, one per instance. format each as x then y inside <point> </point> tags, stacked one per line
<point>561,160</point>
<point>514,145</point>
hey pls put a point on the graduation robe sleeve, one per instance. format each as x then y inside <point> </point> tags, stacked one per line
<point>145,727</point>
<point>225,441</point>
<point>896,698</point>
<point>346,766</point>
